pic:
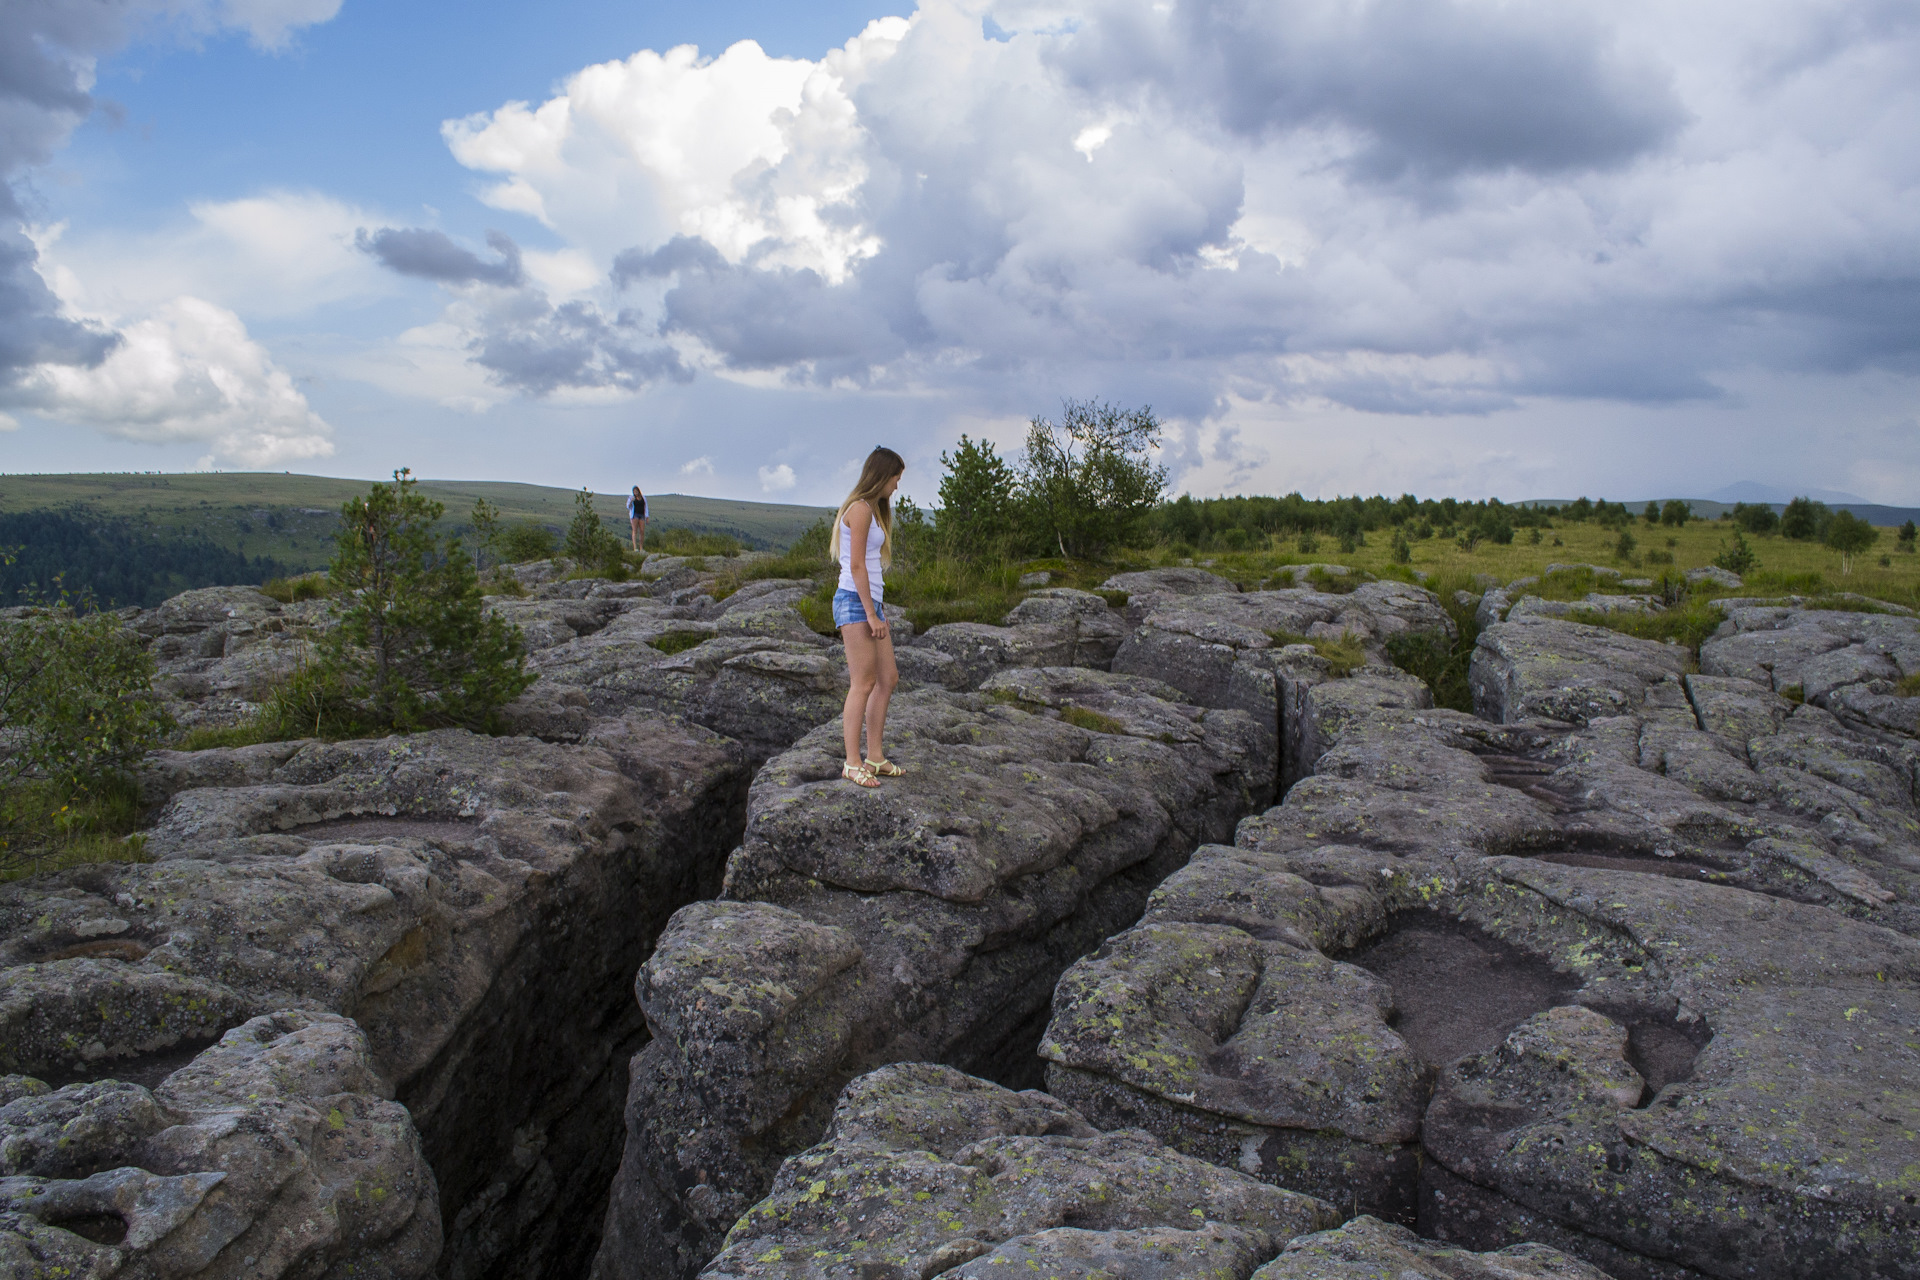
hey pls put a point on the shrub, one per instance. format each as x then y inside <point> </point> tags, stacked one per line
<point>1657,556</point>
<point>524,541</point>
<point>309,586</point>
<point>77,703</point>
<point>1624,545</point>
<point>1739,557</point>
<point>1308,544</point>
<point>1652,514</point>
<point>1403,550</point>
<point>1907,537</point>
<point>1089,481</point>
<point>413,647</point>
<point>1676,512</point>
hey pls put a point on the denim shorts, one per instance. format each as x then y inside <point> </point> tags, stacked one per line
<point>848,610</point>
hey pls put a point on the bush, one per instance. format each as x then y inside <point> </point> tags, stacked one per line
<point>1676,512</point>
<point>413,647</point>
<point>1652,513</point>
<point>1403,550</point>
<point>1908,534</point>
<point>1756,517</point>
<point>524,541</point>
<point>1089,481</point>
<point>1624,545</point>
<point>77,703</point>
<point>309,586</point>
<point>1739,557</point>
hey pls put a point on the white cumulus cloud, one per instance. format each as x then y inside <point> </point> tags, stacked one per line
<point>776,479</point>
<point>189,372</point>
<point>701,466</point>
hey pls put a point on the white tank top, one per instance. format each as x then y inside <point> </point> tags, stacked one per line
<point>875,537</point>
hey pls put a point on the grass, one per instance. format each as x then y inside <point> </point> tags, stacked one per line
<point>679,641</point>
<point>42,830</point>
<point>309,586</point>
<point>293,518</point>
<point>1092,721</point>
<point>1909,687</point>
<point>247,733</point>
<point>1686,624</point>
<point>677,541</point>
<point>1344,655</point>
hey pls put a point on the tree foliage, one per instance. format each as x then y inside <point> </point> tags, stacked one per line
<point>1755,517</point>
<point>590,544</point>
<point>1805,520</point>
<point>114,561</point>
<point>1676,512</point>
<point>1088,482</point>
<point>978,508</point>
<point>1849,535</point>
<point>414,647</point>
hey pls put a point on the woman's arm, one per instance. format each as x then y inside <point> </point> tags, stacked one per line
<point>859,520</point>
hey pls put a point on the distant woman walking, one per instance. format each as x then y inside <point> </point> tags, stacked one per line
<point>637,518</point>
<point>865,521</point>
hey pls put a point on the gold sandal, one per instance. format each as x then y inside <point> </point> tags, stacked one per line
<point>859,775</point>
<point>886,769</point>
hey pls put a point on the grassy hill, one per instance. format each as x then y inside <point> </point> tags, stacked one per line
<point>291,519</point>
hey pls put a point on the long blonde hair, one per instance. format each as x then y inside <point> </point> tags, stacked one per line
<point>883,464</point>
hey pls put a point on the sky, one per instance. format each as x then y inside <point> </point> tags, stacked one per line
<point>1467,247</point>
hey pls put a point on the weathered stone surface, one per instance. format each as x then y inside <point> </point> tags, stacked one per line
<point>478,905</point>
<point>1565,671</point>
<point>924,1170</point>
<point>278,1152</point>
<point>219,650</point>
<point>926,920</point>
<point>1173,582</point>
<point>1369,1249</point>
<point>1844,661</point>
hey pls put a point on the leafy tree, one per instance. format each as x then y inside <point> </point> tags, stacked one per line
<point>1907,536</point>
<point>1624,545</point>
<point>977,509</point>
<point>1652,514</point>
<point>1676,512</point>
<point>414,647</point>
<point>1756,517</point>
<point>1402,549</point>
<point>1089,481</point>
<point>1849,535</point>
<point>590,543</point>
<point>1805,520</point>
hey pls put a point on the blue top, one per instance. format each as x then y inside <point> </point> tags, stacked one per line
<point>636,507</point>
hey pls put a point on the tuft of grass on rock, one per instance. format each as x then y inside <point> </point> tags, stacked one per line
<point>43,829</point>
<point>1687,624</point>
<point>1092,721</point>
<point>310,586</point>
<point>678,641</point>
<point>1344,655</point>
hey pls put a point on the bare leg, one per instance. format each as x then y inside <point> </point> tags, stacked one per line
<point>634,522</point>
<point>640,542</point>
<point>886,676</point>
<point>863,661</point>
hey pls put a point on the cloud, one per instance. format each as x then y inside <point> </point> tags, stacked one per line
<point>701,466</point>
<point>76,367</point>
<point>776,479</point>
<point>432,255</point>
<point>187,373</point>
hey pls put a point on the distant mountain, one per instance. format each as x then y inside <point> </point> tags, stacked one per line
<point>1754,491</point>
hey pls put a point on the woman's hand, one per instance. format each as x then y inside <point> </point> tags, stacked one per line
<point>878,627</point>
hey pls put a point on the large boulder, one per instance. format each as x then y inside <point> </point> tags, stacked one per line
<point>277,1152</point>
<point>924,1170</point>
<point>925,920</point>
<point>478,905</point>
<point>1369,1249</point>
<point>1849,663</point>
<point>1538,668</point>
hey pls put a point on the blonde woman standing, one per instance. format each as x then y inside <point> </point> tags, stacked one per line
<point>863,537</point>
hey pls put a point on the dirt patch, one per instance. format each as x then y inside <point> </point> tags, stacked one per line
<point>1677,868</point>
<point>1663,1051</point>
<point>1456,990</point>
<point>375,827</point>
<point>147,1070</point>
